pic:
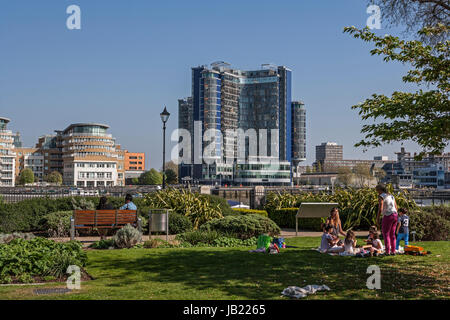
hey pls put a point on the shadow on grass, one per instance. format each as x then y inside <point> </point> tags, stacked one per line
<point>240,274</point>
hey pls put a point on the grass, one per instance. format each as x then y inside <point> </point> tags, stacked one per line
<point>234,273</point>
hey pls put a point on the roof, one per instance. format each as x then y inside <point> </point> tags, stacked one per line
<point>73,125</point>
<point>5,119</point>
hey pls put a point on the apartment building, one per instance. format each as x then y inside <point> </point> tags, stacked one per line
<point>7,155</point>
<point>90,156</point>
<point>224,98</point>
<point>31,158</point>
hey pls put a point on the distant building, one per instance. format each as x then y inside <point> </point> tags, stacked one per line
<point>329,158</point>
<point>224,98</point>
<point>7,155</point>
<point>134,165</point>
<point>30,158</point>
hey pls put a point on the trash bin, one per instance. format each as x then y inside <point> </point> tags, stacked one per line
<point>158,220</point>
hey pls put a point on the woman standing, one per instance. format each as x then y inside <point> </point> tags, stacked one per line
<point>335,223</point>
<point>388,208</point>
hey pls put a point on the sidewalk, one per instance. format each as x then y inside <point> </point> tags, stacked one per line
<point>290,233</point>
<point>285,233</point>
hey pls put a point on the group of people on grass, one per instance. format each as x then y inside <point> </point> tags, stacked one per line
<point>394,226</point>
<point>105,205</point>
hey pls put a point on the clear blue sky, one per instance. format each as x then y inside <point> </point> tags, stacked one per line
<point>133,57</point>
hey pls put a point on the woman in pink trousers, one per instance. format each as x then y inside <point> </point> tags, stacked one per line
<point>388,208</point>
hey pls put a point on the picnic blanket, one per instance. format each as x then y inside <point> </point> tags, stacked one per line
<point>297,292</point>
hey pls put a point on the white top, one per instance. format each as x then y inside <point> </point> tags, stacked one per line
<point>377,244</point>
<point>348,247</point>
<point>388,204</point>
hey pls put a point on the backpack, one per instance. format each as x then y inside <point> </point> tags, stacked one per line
<point>263,241</point>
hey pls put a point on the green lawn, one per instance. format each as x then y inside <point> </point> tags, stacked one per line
<point>220,273</point>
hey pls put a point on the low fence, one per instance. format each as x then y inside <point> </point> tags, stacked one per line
<point>251,196</point>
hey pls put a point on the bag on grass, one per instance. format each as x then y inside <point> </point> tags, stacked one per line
<point>278,241</point>
<point>263,241</point>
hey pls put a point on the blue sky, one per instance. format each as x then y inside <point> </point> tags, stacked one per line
<point>133,57</point>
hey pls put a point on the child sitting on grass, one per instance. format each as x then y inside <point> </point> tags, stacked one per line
<point>328,243</point>
<point>377,246</point>
<point>350,243</point>
<point>372,229</point>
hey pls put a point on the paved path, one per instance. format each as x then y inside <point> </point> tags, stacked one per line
<point>285,233</point>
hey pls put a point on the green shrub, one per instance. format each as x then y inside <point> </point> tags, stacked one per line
<point>251,211</point>
<point>102,244</point>
<point>127,237</point>
<point>429,225</point>
<point>7,238</point>
<point>57,224</point>
<point>222,203</point>
<point>196,237</point>
<point>358,207</point>
<point>196,207</point>
<point>227,242</point>
<point>285,218</point>
<point>157,243</point>
<point>24,259</point>
<point>179,223</point>
<point>242,227</point>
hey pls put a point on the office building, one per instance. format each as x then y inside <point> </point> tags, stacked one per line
<point>228,99</point>
<point>7,155</point>
<point>134,165</point>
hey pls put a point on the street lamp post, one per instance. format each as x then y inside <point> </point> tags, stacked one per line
<point>164,117</point>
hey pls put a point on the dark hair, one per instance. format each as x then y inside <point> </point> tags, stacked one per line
<point>382,188</point>
<point>333,210</point>
<point>403,210</point>
<point>128,197</point>
<point>327,227</point>
<point>103,200</point>
<point>375,235</point>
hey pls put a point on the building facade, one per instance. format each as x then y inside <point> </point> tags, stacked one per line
<point>30,158</point>
<point>231,100</point>
<point>7,155</point>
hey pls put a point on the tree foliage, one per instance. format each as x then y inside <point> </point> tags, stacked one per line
<point>415,15</point>
<point>421,116</point>
<point>54,177</point>
<point>26,176</point>
<point>152,177</point>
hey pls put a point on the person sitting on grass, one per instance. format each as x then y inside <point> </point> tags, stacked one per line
<point>335,222</point>
<point>328,243</point>
<point>377,246</point>
<point>129,205</point>
<point>372,229</point>
<point>402,227</point>
<point>350,243</point>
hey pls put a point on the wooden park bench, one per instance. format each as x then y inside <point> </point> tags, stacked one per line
<point>313,210</point>
<point>103,220</point>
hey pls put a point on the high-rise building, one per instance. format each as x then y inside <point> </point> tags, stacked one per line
<point>329,151</point>
<point>298,133</point>
<point>7,155</point>
<point>227,99</point>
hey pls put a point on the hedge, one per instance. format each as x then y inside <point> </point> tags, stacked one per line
<point>252,211</point>
<point>242,226</point>
<point>285,218</point>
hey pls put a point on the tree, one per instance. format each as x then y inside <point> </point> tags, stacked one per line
<point>421,116</point>
<point>415,15</point>
<point>135,181</point>
<point>54,177</point>
<point>174,167</point>
<point>26,176</point>
<point>344,175</point>
<point>362,174</point>
<point>151,177</point>
<point>171,177</point>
